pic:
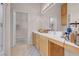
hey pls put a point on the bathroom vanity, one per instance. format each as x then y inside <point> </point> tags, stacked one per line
<point>52,44</point>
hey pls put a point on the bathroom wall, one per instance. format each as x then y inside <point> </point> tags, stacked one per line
<point>33,11</point>
<point>7,30</point>
<point>73,14</point>
<point>73,11</point>
<point>44,22</point>
<point>1,28</point>
<point>54,12</point>
<point>11,23</point>
<point>35,18</point>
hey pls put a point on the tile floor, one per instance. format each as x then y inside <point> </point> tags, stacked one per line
<point>24,50</point>
<point>32,51</point>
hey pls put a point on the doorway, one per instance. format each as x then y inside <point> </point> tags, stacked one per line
<point>20,27</point>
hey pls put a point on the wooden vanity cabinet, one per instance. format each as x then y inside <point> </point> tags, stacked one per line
<point>46,47</point>
<point>43,46</point>
<point>64,14</point>
<point>51,47</point>
<point>33,38</point>
<point>37,42</point>
<point>41,43</point>
<point>55,50</point>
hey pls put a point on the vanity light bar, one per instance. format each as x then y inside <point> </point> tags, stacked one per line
<point>47,7</point>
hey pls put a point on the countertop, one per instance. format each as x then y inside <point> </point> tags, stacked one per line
<point>56,37</point>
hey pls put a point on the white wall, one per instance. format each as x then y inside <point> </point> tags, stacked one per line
<point>73,10</point>
<point>27,7</point>
<point>33,11</point>
<point>54,12</point>
<point>44,22</point>
<point>7,30</point>
<point>11,23</point>
<point>1,28</point>
<point>35,19</point>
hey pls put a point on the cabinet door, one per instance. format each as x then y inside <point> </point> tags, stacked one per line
<point>55,50</point>
<point>44,46</point>
<point>59,51</point>
<point>64,14</point>
<point>37,41</point>
<point>51,49</point>
<point>41,46</point>
<point>34,38</point>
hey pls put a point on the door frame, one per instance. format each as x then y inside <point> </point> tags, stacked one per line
<point>14,29</point>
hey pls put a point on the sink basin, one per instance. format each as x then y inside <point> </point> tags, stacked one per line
<point>56,33</point>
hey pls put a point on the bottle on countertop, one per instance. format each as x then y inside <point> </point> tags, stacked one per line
<point>72,37</point>
<point>69,30</point>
